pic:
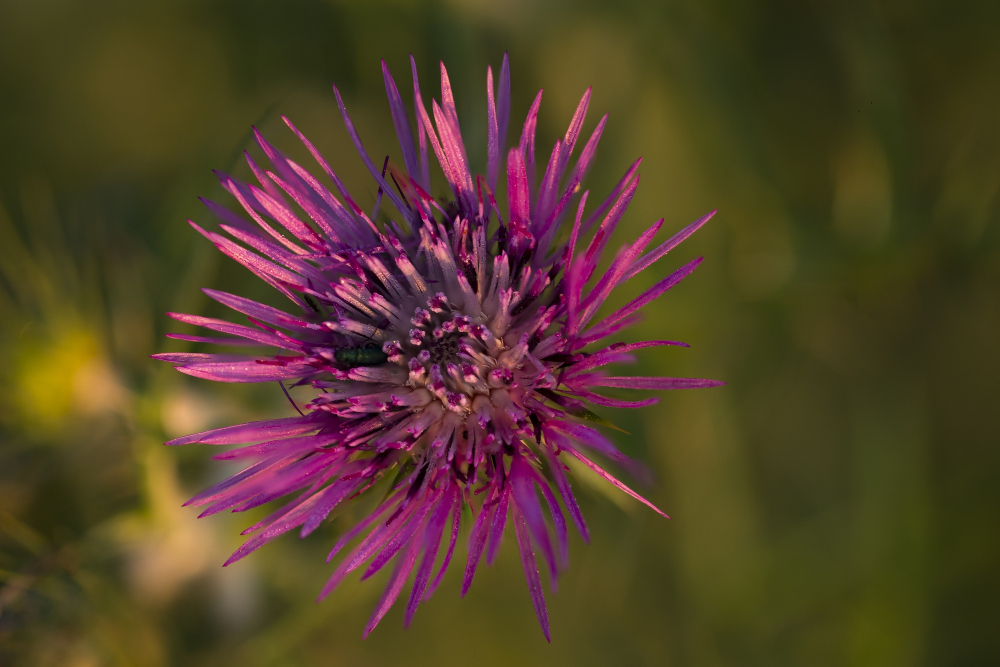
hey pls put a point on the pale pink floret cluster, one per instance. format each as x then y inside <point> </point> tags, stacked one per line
<point>446,341</point>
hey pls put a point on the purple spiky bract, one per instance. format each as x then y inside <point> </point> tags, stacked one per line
<point>452,345</point>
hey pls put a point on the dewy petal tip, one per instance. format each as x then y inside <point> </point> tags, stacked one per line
<point>449,350</point>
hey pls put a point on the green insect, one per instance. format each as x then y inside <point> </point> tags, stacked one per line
<point>369,355</point>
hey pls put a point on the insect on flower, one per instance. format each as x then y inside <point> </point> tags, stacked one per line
<point>454,348</point>
<point>368,355</point>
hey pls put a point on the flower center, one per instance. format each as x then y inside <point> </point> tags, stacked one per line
<point>446,353</point>
<point>444,350</point>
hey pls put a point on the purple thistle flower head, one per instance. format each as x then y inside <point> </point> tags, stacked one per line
<point>454,348</point>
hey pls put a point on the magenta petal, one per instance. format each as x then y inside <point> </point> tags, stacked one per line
<point>215,340</point>
<point>256,310</point>
<point>404,565</point>
<point>245,371</point>
<point>456,517</point>
<point>573,185</point>
<point>548,190</point>
<point>214,491</point>
<point>284,520</point>
<point>477,541</point>
<point>448,100</point>
<point>260,245</point>
<point>247,198</point>
<point>285,447</point>
<point>425,179</point>
<point>402,124</point>
<point>558,520</point>
<point>613,197</point>
<point>496,528</point>
<point>612,354</point>
<point>503,105</point>
<point>190,357</point>
<point>567,495</point>
<point>517,189</point>
<point>432,541</point>
<point>531,574</point>
<point>645,298</point>
<point>282,214</point>
<point>493,147</point>
<point>355,219</point>
<point>576,124</point>
<point>361,553</point>
<point>451,135</point>
<point>654,383</point>
<point>375,172</point>
<point>614,481</point>
<point>556,168</point>
<point>451,172</point>
<point>412,527</point>
<point>332,496</point>
<point>667,246</point>
<point>607,228</point>
<point>526,501</point>
<point>451,145</point>
<point>616,272</point>
<point>253,431</point>
<point>381,537</point>
<point>590,437</point>
<point>364,523</point>
<point>250,333</point>
<point>527,143</point>
<point>600,331</point>
<point>279,278</point>
<point>597,399</point>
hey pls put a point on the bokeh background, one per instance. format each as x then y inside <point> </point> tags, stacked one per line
<point>836,504</point>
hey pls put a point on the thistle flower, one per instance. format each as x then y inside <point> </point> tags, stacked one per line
<point>448,345</point>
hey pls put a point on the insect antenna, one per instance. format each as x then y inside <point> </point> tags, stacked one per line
<point>289,397</point>
<point>378,198</point>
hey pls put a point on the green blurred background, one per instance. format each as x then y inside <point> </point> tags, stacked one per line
<point>836,504</point>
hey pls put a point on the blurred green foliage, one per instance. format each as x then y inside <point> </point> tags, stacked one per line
<point>836,504</point>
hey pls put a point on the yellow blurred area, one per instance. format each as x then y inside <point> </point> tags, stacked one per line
<point>68,374</point>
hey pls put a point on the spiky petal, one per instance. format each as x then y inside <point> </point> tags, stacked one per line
<point>447,344</point>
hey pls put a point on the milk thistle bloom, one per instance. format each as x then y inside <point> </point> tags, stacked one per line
<point>448,345</point>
